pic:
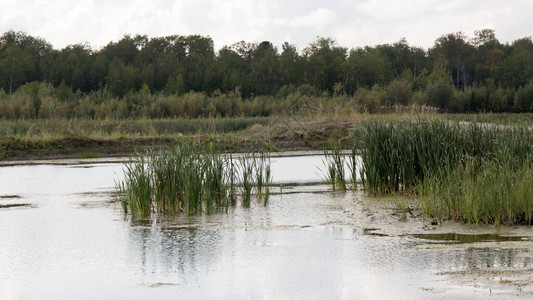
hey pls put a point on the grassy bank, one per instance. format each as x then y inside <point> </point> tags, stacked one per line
<point>70,138</point>
<point>74,138</point>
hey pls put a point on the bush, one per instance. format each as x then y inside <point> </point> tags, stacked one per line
<point>523,101</point>
<point>399,92</point>
<point>439,94</point>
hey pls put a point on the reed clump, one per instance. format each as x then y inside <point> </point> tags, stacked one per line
<point>483,191</point>
<point>476,173</point>
<point>189,178</point>
<point>334,163</point>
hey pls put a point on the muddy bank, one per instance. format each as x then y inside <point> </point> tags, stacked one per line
<point>298,136</point>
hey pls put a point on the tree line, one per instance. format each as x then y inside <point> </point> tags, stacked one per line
<point>457,74</point>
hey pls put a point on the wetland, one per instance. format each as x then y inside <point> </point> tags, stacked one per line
<point>71,239</point>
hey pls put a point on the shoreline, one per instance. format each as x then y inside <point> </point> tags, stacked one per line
<point>308,136</point>
<point>124,159</point>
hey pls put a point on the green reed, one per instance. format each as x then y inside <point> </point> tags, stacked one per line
<point>334,163</point>
<point>136,189</point>
<point>353,162</point>
<point>268,182</point>
<point>471,172</point>
<point>190,178</point>
<point>247,172</point>
<point>482,192</point>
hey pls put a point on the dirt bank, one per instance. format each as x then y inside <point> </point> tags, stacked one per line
<point>294,136</point>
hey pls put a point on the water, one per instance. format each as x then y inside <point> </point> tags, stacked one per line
<point>72,241</point>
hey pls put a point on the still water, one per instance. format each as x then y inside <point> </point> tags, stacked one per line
<point>72,241</point>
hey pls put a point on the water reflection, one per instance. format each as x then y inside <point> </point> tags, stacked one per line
<point>182,251</point>
<point>75,244</point>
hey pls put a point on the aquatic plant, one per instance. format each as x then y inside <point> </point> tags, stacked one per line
<point>190,178</point>
<point>472,172</point>
<point>136,189</point>
<point>246,165</point>
<point>353,161</point>
<point>268,181</point>
<point>334,162</point>
<point>481,192</point>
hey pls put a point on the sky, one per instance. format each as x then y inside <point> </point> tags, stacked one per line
<point>352,23</point>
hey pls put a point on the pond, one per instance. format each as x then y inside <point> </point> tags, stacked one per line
<point>64,237</point>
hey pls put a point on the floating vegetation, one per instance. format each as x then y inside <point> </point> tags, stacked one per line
<point>463,171</point>
<point>191,178</point>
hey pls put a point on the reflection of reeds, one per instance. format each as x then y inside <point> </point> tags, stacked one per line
<point>191,178</point>
<point>267,181</point>
<point>247,172</point>
<point>470,172</point>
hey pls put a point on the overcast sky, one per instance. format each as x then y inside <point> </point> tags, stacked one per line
<point>353,23</point>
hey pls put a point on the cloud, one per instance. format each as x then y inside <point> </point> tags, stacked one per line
<point>316,20</point>
<point>354,23</point>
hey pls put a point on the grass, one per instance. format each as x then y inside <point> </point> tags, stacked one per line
<point>46,129</point>
<point>475,173</point>
<point>334,162</point>
<point>136,189</point>
<point>500,119</point>
<point>246,165</point>
<point>353,163</point>
<point>89,154</point>
<point>191,178</point>
<point>484,191</point>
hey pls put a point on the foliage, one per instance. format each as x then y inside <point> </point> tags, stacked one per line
<point>472,172</point>
<point>189,178</point>
<point>138,76</point>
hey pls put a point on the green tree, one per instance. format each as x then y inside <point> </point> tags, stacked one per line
<point>366,67</point>
<point>21,57</point>
<point>291,65</point>
<point>404,57</point>
<point>455,48</point>
<point>517,68</point>
<point>324,63</point>
<point>199,63</point>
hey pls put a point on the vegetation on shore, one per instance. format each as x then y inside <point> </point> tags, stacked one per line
<point>466,171</point>
<point>476,173</point>
<point>183,76</point>
<point>154,92</point>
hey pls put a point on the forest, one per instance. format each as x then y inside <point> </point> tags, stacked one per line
<point>184,76</point>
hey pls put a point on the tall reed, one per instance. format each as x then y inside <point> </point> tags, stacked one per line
<point>247,172</point>
<point>353,163</point>
<point>136,189</point>
<point>334,162</point>
<point>476,173</point>
<point>190,178</point>
<point>268,181</point>
<point>482,192</point>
